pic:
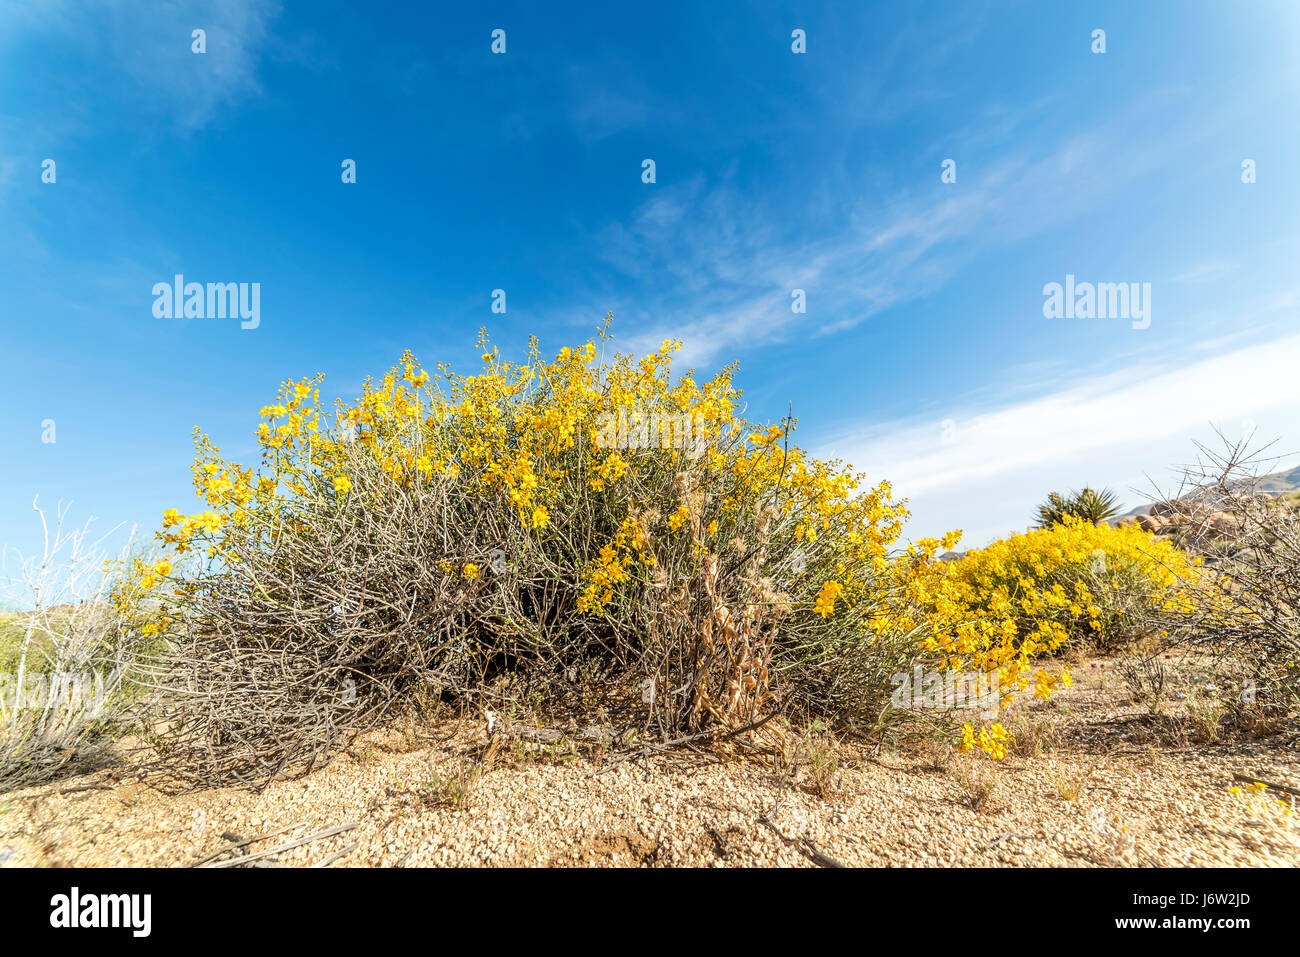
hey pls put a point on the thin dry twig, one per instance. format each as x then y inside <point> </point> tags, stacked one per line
<point>244,842</point>
<point>288,846</point>
<point>337,855</point>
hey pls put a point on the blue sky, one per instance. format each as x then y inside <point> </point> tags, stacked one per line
<point>924,356</point>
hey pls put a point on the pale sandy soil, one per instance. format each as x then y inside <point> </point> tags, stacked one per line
<point>1112,787</point>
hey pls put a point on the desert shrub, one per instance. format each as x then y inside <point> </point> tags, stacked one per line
<point>64,660</point>
<point>1145,677</point>
<point>1245,612</point>
<point>1027,596</point>
<point>1088,504</point>
<point>563,528</point>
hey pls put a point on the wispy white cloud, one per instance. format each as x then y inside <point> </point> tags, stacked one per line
<point>988,464</point>
<point>146,47</point>
<point>605,102</point>
<point>717,268</point>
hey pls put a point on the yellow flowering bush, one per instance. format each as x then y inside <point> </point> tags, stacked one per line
<point>1001,608</point>
<point>556,526</point>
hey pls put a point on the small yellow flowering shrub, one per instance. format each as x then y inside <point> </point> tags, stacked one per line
<point>1024,597</point>
<point>561,526</point>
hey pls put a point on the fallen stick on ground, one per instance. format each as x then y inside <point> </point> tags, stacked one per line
<point>1004,837</point>
<point>84,787</point>
<point>802,844</point>
<point>1249,779</point>
<point>337,855</point>
<point>297,842</point>
<point>237,843</point>
<point>551,735</point>
<point>644,750</point>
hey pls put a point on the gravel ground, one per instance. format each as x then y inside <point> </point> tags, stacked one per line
<point>1116,793</point>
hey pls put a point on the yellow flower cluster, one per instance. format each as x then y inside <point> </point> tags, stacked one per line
<point>1025,596</point>
<point>826,598</point>
<point>992,740</point>
<point>136,593</point>
<point>628,546</point>
<point>1045,683</point>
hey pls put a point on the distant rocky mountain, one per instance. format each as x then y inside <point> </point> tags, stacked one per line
<point>1278,483</point>
<point>1281,481</point>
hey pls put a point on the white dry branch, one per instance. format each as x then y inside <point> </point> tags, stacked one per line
<point>62,685</point>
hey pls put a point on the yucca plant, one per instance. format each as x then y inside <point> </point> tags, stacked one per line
<point>1089,505</point>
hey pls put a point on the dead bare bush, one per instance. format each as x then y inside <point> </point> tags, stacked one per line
<point>63,661</point>
<point>1246,609</point>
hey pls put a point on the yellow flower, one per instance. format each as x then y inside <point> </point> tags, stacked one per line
<point>471,570</point>
<point>676,519</point>
<point>967,738</point>
<point>826,598</point>
<point>342,484</point>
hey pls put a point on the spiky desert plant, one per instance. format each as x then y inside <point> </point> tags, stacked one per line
<point>1053,511</point>
<point>1088,504</point>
